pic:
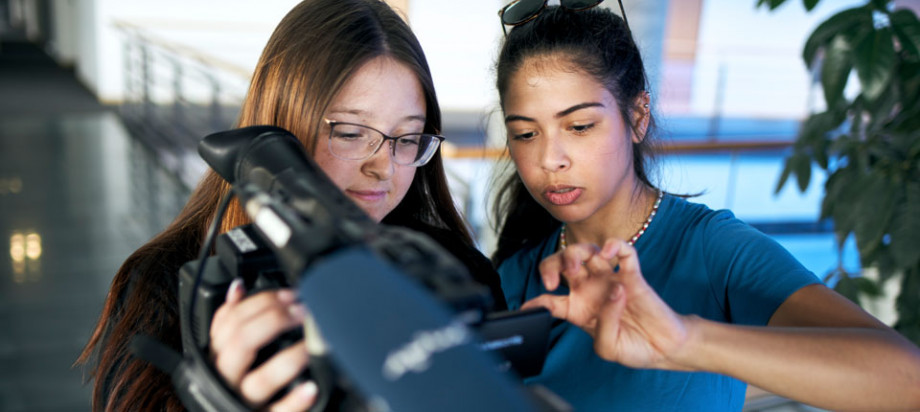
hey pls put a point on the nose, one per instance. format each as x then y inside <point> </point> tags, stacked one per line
<point>380,165</point>
<point>553,155</point>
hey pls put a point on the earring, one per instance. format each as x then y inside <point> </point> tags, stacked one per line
<point>645,105</point>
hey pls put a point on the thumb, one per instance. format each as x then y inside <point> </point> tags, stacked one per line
<point>608,325</point>
<point>558,306</point>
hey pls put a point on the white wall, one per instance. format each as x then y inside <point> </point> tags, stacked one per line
<point>759,54</point>
<point>63,41</point>
<point>99,48</point>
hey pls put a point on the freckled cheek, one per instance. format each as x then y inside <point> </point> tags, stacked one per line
<point>333,168</point>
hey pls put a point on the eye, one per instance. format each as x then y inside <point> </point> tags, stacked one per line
<point>581,128</point>
<point>408,140</point>
<point>349,132</point>
<point>522,136</point>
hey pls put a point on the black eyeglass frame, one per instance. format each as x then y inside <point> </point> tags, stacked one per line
<point>501,12</point>
<point>438,139</point>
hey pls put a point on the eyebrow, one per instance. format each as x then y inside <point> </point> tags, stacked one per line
<point>566,112</point>
<point>357,112</point>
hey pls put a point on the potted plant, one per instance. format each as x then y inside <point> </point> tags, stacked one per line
<point>869,144</point>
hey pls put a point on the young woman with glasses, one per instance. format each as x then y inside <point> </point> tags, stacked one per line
<point>715,304</point>
<point>349,78</point>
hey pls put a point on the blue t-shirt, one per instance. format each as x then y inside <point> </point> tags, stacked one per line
<point>699,261</point>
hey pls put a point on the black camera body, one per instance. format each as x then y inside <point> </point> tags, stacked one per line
<point>402,324</point>
<point>519,338</point>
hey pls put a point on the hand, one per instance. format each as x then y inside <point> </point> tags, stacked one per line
<point>241,327</point>
<point>629,322</point>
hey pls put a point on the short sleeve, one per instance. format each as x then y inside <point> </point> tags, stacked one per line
<point>752,272</point>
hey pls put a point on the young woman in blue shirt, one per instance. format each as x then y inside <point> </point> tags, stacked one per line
<point>715,305</point>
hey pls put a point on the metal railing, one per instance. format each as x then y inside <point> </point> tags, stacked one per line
<point>174,95</point>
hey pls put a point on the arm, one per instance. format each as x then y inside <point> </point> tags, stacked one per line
<point>818,347</point>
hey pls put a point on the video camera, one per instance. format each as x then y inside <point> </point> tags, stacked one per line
<point>394,323</point>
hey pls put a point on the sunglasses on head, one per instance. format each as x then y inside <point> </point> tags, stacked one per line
<point>519,12</point>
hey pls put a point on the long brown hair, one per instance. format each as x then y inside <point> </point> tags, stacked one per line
<point>309,57</point>
<point>600,44</point>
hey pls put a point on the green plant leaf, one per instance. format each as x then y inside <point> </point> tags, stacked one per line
<point>784,176</point>
<point>773,4</point>
<point>843,22</point>
<point>913,152</point>
<point>875,60</point>
<point>905,232</point>
<point>875,207</point>
<point>907,83</point>
<point>881,5</point>
<point>907,305</point>
<point>820,154</point>
<point>906,26</point>
<point>840,186</point>
<point>802,169</point>
<point>835,70</point>
<point>809,4</point>
<point>848,287</point>
<point>868,287</point>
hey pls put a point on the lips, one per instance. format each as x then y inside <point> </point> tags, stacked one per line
<point>562,195</point>
<point>367,195</point>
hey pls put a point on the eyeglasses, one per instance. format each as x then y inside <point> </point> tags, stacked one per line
<point>519,12</point>
<point>351,141</point>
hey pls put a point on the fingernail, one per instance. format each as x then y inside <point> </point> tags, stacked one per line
<point>286,295</point>
<point>609,251</point>
<point>298,311</point>
<point>236,285</point>
<point>308,390</point>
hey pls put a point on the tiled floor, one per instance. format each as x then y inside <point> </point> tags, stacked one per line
<point>77,195</point>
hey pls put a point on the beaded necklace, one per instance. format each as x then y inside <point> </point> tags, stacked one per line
<point>631,241</point>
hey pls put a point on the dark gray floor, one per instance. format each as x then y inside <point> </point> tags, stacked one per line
<point>77,195</point>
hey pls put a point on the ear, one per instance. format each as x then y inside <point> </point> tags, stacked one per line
<point>641,116</point>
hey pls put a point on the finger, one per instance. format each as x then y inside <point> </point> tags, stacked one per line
<point>278,371</point>
<point>608,325</point>
<point>630,271</point>
<point>558,306</point>
<point>252,305</point>
<point>235,293</point>
<point>301,398</point>
<point>611,247</point>
<point>550,269</point>
<point>574,256</point>
<point>245,339</point>
<point>568,263</point>
<point>232,314</point>
<point>599,268</point>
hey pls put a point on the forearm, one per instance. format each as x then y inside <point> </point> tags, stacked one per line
<point>833,368</point>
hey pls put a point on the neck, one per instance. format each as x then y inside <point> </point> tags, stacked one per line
<point>622,218</point>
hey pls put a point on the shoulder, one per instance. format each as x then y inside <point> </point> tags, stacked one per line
<point>751,271</point>
<point>695,217</point>
<point>710,229</point>
<point>526,259</point>
<point>520,277</point>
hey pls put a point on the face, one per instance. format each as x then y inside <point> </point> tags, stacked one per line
<point>568,140</point>
<point>386,95</point>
